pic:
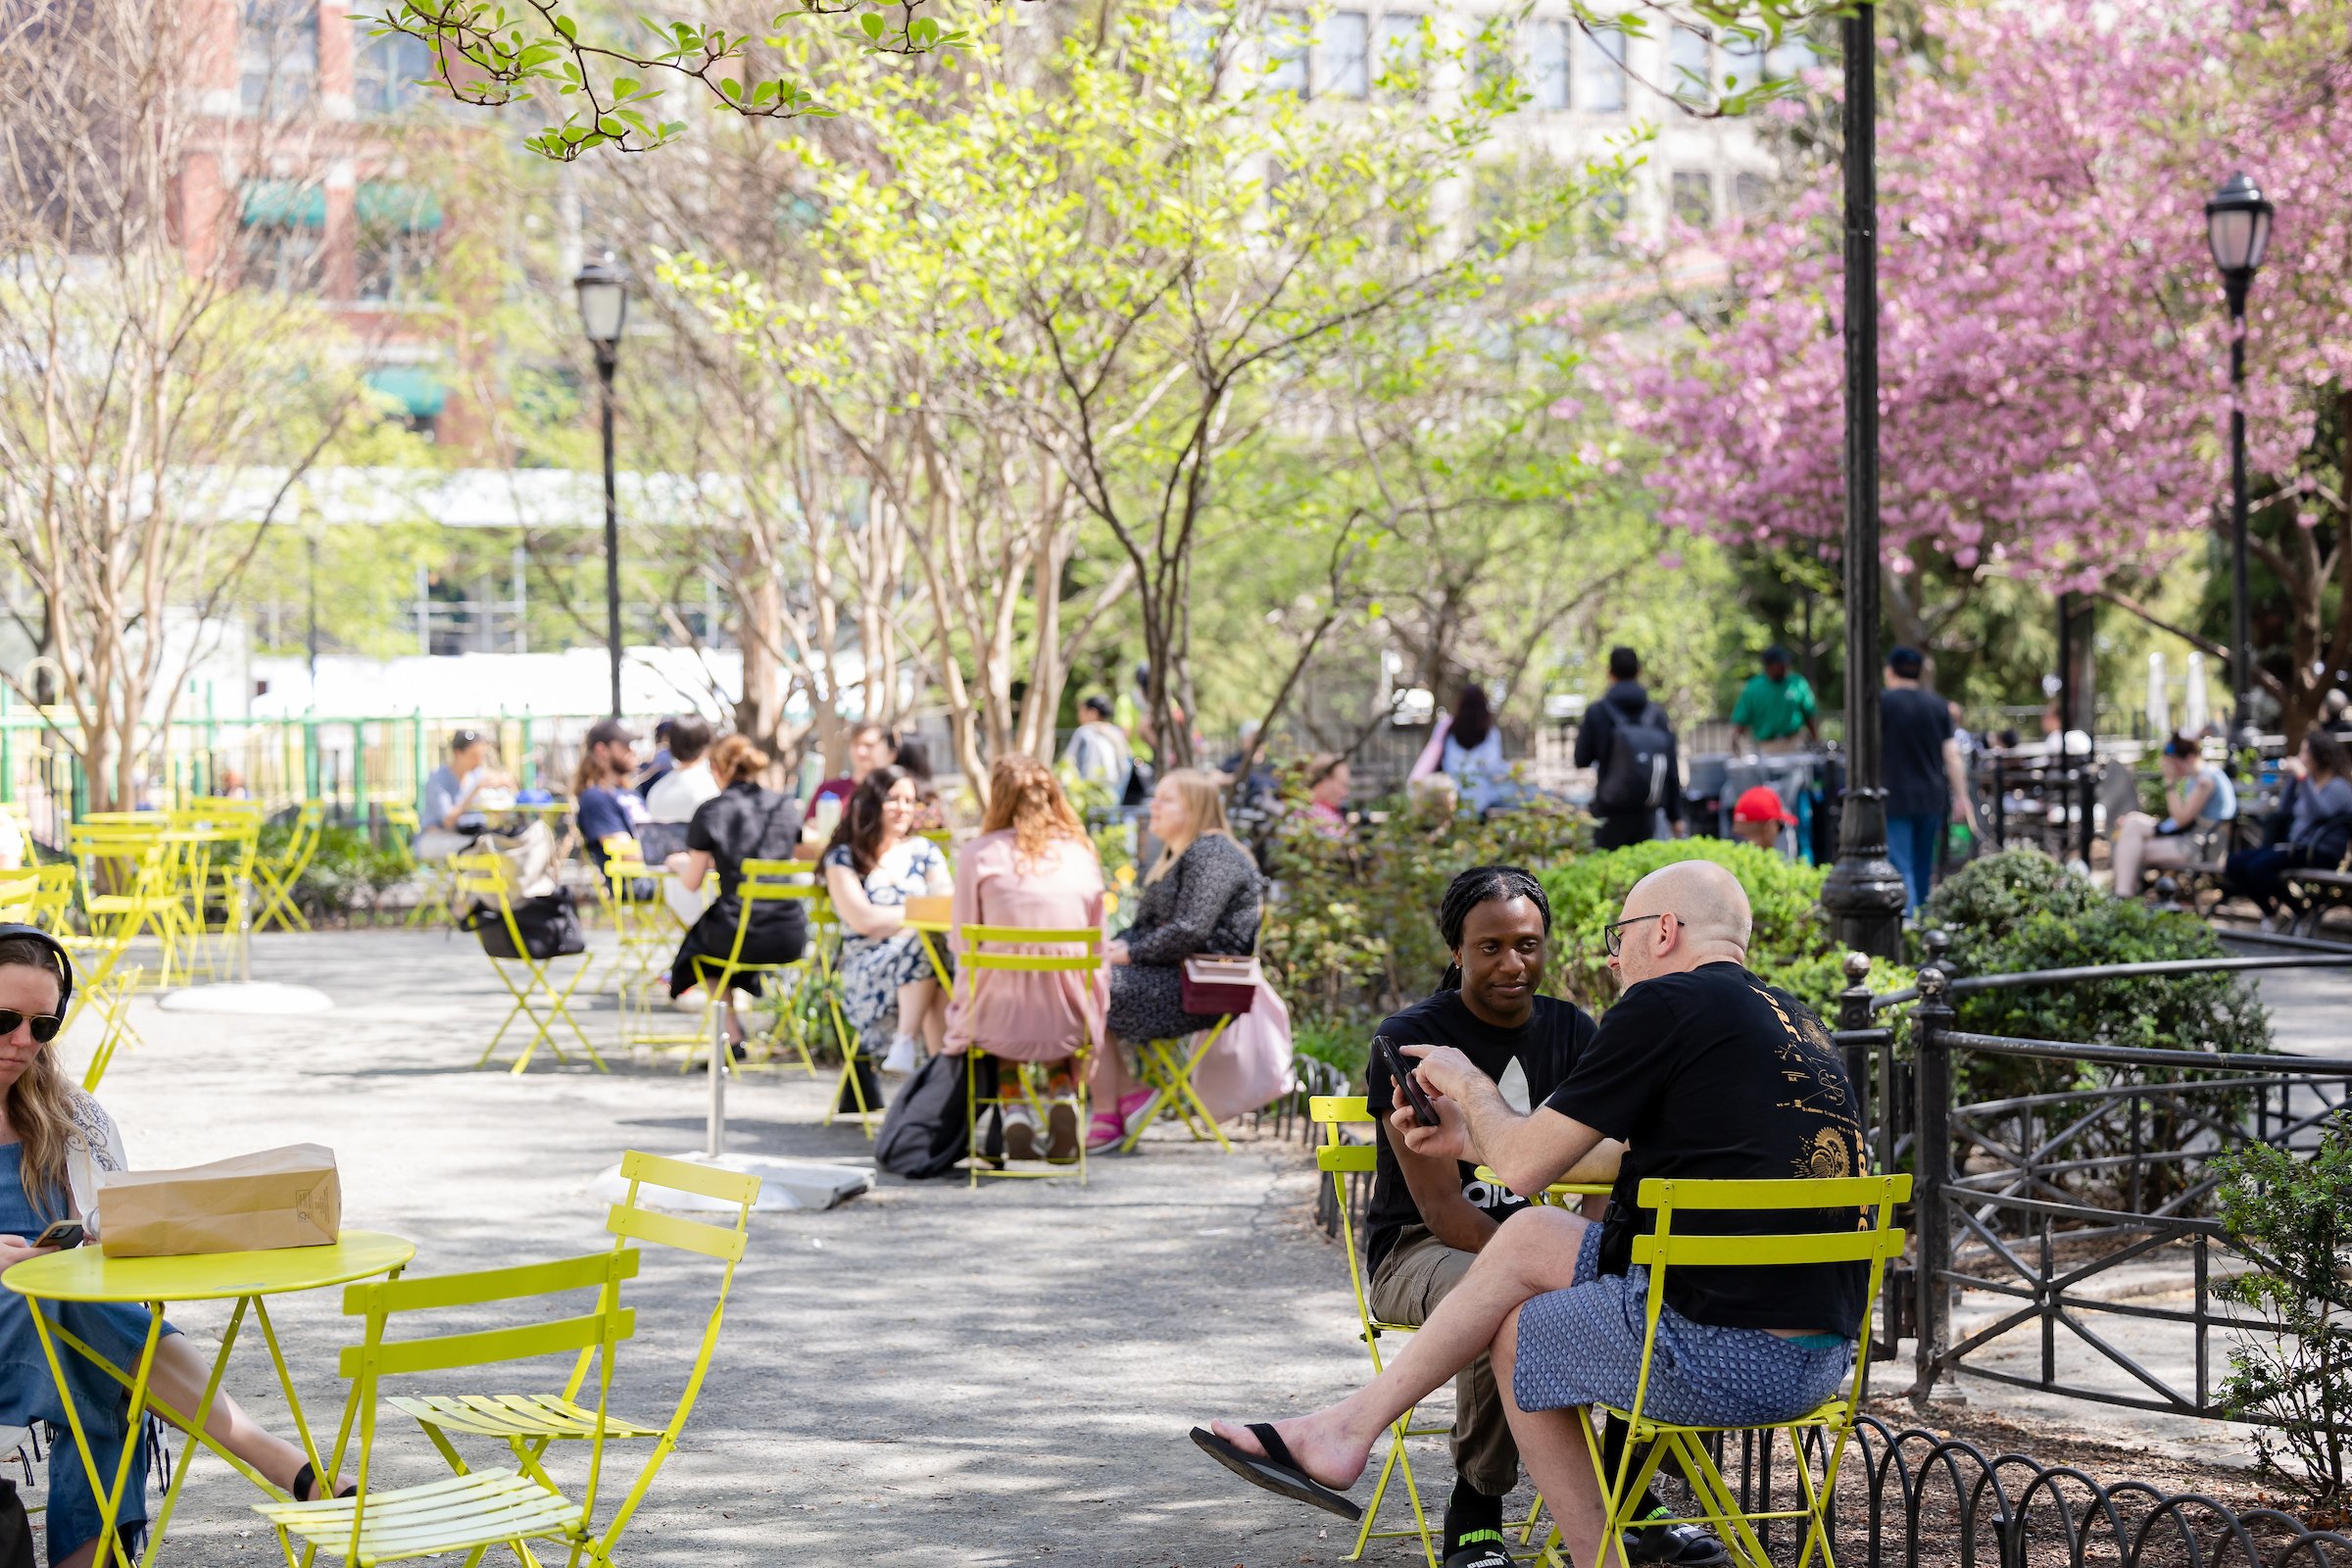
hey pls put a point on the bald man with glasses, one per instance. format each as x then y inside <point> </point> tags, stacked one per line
<point>1703,1071</point>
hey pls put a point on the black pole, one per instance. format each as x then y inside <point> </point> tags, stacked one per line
<point>2241,624</point>
<point>1864,896</point>
<point>607,355</point>
<point>2066,669</point>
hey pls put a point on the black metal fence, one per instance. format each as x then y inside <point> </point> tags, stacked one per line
<point>2028,1209</point>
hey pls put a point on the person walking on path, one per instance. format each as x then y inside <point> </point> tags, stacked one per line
<point>1926,784</point>
<point>1628,741</point>
<point>1777,711</point>
<point>1099,752</point>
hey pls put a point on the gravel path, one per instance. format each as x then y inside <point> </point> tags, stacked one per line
<point>923,1376</point>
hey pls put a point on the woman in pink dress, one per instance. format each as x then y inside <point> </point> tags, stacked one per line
<point>1032,865</point>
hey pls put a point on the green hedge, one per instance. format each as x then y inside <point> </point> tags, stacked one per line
<point>1790,944</point>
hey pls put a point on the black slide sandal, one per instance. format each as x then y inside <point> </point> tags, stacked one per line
<point>1275,1470</point>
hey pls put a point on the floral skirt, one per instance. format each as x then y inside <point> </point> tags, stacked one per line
<point>871,970</point>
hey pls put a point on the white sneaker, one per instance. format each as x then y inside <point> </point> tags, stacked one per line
<point>1020,1133</point>
<point>902,1055</point>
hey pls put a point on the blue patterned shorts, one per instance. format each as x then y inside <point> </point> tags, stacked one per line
<point>1583,1346</point>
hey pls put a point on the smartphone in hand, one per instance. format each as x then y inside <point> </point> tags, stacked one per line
<point>61,1232</point>
<point>1425,1112</point>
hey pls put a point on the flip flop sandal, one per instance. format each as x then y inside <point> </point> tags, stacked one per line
<point>1275,1470</point>
<point>306,1478</point>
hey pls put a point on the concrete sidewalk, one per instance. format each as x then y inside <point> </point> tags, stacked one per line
<point>924,1376</point>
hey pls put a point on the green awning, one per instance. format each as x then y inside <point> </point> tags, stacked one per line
<point>412,386</point>
<point>283,204</point>
<point>380,204</point>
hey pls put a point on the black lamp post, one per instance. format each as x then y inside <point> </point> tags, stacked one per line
<point>2237,227</point>
<point>1864,894</point>
<point>603,286</point>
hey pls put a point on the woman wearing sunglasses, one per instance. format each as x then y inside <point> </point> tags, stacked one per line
<point>53,1141</point>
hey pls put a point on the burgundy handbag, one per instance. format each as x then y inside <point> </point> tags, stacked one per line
<point>1212,984</point>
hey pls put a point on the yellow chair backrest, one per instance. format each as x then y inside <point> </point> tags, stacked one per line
<point>596,1333</point>
<point>1876,1242</point>
<point>622,848</point>
<point>481,875</point>
<point>976,955</point>
<point>1339,1159</point>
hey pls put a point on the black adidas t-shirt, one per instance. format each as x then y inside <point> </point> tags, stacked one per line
<point>1526,1064</point>
<point>1715,1074</point>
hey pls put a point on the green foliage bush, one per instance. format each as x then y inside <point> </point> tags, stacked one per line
<point>2021,910</point>
<point>1790,944</point>
<point>349,873</point>
<point>2291,1215</point>
<point>1355,931</point>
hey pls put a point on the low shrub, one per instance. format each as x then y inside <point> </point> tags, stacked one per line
<point>2019,911</point>
<point>349,872</point>
<point>1354,931</point>
<point>2291,1215</point>
<point>1790,944</point>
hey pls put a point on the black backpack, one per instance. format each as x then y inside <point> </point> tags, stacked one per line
<point>923,1133</point>
<point>548,925</point>
<point>1640,758</point>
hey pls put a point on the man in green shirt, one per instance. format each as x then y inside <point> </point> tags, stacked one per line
<point>1775,710</point>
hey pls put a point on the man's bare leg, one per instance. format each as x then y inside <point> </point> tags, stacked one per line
<point>1557,1447</point>
<point>1533,1253</point>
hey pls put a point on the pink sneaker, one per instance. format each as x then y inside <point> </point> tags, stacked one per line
<point>1137,1110</point>
<point>1104,1131</point>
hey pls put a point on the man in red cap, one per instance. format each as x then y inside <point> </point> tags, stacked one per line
<point>1758,816</point>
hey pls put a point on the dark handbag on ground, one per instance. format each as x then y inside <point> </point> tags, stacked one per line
<point>16,1529</point>
<point>923,1133</point>
<point>550,927</point>
<point>1211,984</point>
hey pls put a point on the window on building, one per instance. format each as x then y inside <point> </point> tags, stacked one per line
<point>1747,195</point>
<point>1493,51</point>
<point>1690,72</point>
<point>1195,32</point>
<point>385,72</point>
<point>1743,64</point>
<point>1347,62</point>
<point>1286,52</point>
<point>1604,216</point>
<point>397,234</point>
<point>277,54</point>
<point>1694,198</point>
<point>282,226</point>
<point>1548,57</point>
<point>1605,72</point>
<point>1401,57</point>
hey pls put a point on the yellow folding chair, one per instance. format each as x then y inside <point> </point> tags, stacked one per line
<point>1037,951</point>
<point>128,883</point>
<point>1165,1068</point>
<point>481,879</point>
<point>279,874</point>
<point>1339,1159</point>
<point>824,944</point>
<point>764,883</point>
<point>43,896</point>
<point>649,929</point>
<point>474,1509</point>
<point>1831,1424</point>
<point>528,1423</point>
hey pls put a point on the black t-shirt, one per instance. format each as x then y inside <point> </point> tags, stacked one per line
<point>744,823</point>
<point>1526,1064</point>
<point>1913,725</point>
<point>1713,1074</point>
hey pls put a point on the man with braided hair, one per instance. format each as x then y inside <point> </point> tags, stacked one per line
<point>1429,1216</point>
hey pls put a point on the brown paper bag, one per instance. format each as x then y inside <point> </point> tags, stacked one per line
<point>936,909</point>
<point>277,1197</point>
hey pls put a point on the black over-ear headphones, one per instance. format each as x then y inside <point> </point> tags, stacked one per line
<point>65,963</point>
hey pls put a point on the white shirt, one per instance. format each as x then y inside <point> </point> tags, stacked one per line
<point>673,798</point>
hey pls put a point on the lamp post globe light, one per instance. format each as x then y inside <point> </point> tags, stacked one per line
<point>2238,228</point>
<point>603,288</point>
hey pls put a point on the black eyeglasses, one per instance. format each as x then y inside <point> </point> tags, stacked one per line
<point>44,1027</point>
<point>1612,937</point>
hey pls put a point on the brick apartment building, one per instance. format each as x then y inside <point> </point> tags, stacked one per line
<point>307,156</point>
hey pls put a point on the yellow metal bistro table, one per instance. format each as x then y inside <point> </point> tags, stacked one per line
<point>86,1274</point>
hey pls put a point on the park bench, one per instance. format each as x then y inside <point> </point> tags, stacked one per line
<point>2318,892</point>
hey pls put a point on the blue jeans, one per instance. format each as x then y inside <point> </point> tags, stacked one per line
<point>1911,846</point>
